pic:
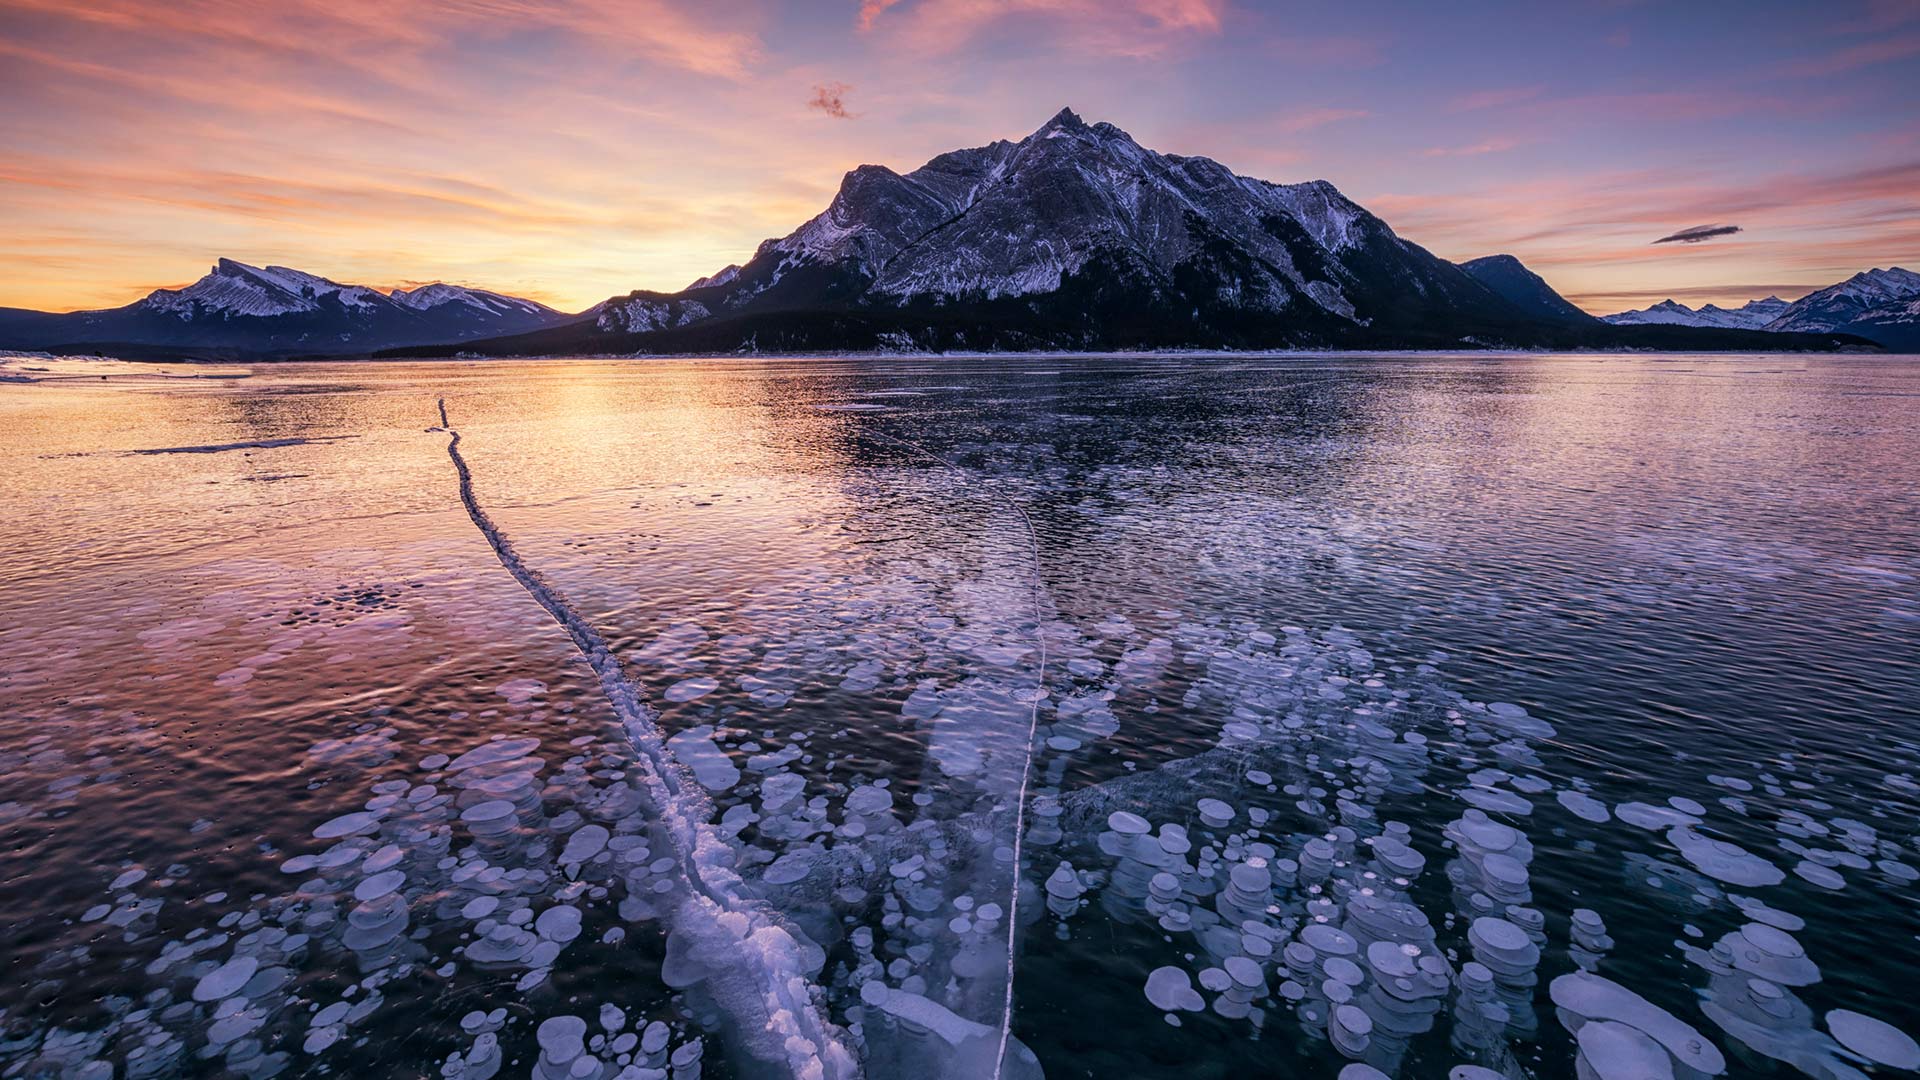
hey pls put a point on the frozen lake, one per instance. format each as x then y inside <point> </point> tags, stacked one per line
<point>1149,717</point>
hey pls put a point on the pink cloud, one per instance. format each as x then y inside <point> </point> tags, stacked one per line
<point>658,29</point>
<point>1138,28</point>
<point>871,10</point>
<point>1859,56</point>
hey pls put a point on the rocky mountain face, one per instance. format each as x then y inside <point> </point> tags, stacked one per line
<point>1877,304</point>
<point>274,310</point>
<point>1523,288</point>
<point>1077,237</point>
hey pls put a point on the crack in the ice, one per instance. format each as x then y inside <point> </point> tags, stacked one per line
<point>1033,726</point>
<point>793,1029</point>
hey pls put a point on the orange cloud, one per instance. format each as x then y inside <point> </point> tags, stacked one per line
<point>657,29</point>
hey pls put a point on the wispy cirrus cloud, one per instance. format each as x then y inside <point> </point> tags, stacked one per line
<point>1137,28</point>
<point>657,29</point>
<point>1869,54</point>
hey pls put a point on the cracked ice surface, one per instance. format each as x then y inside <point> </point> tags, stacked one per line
<point>1253,837</point>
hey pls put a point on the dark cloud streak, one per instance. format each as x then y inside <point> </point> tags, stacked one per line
<point>1698,233</point>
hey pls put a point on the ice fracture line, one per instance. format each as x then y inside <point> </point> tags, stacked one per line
<point>779,1013</point>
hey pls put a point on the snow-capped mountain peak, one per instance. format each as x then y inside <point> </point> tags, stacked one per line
<point>1013,219</point>
<point>1753,315</point>
<point>235,289</point>
<point>1856,299</point>
<point>239,307</point>
<point>438,294</point>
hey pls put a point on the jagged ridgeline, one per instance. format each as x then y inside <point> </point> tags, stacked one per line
<point>1077,237</point>
<point>1073,238</point>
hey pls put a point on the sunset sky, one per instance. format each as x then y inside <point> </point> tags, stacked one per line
<point>570,151</point>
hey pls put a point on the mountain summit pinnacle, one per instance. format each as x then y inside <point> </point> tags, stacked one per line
<point>1065,118</point>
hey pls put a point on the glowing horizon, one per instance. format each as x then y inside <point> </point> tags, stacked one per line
<point>571,152</point>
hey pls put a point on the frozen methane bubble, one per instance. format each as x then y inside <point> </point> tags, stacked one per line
<point>1875,1040</point>
<point>1724,861</point>
<point>225,980</point>
<point>560,924</point>
<point>696,749</point>
<point>791,867</point>
<point>1584,806</point>
<point>1171,989</point>
<point>1824,876</point>
<point>688,689</point>
<point>562,1042</point>
<point>585,843</point>
<point>1772,954</point>
<point>379,885</point>
<point>491,818</point>
<point>346,825</point>
<point>1351,1029</point>
<point>494,753</point>
<point>1610,1050</point>
<point>1589,997</point>
<point>1648,816</point>
<point>521,691</point>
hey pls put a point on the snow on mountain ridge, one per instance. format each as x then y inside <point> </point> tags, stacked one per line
<point>1857,298</point>
<point>428,297</point>
<point>641,312</point>
<point>1753,315</point>
<point>234,288</point>
<point>1019,218</point>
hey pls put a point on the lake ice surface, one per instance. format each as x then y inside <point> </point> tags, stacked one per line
<point>1541,715</point>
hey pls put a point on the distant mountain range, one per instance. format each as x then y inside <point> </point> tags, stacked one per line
<point>1880,305</point>
<point>253,311</point>
<point>1075,237</point>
